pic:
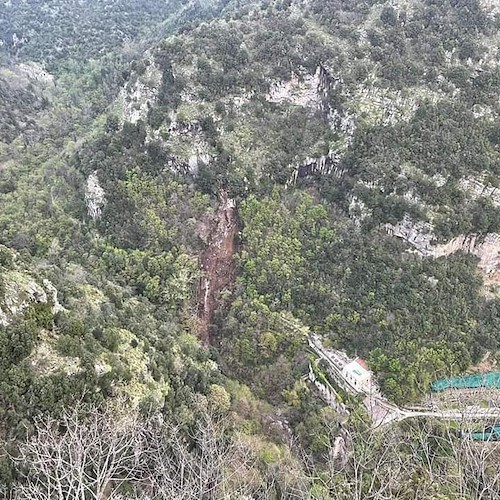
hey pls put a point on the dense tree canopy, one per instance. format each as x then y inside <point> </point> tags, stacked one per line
<point>324,125</point>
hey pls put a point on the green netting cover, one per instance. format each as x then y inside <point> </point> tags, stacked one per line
<point>489,434</point>
<point>491,380</point>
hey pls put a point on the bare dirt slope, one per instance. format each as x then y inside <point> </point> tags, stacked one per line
<point>217,263</point>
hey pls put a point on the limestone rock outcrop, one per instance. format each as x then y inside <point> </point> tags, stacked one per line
<point>420,236</point>
<point>20,290</point>
<point>94,196</point>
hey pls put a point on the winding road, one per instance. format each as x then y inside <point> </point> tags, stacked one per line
<point>381,411</point>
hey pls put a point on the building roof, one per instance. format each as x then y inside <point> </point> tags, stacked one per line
<point>357,370</point>
<point>361,362</point>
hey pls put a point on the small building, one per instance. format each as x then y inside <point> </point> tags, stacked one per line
<point>357,375</point>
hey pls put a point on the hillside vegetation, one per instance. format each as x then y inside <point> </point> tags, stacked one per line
<point>358,141</point>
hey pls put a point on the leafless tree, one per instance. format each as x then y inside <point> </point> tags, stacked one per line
<point>103,454</point>
<point>422,459</point>
<point>205,465</point>
<point>75,458</point>
<point>476,469</point>
<point>109,454</point>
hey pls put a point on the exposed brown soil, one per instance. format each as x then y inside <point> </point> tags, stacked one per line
<point>217,263</point>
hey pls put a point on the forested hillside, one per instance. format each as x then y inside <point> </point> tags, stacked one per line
<point>188,190</point>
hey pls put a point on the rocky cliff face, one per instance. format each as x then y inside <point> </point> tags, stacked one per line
<point>94,196</point>
<point>324,165</point>
<point>188,142</point>
<point>475,188</point>
<point>26,91</point>
<point>300,90</point>
<point>140,93</point>
<point>421,237</point>
<point>318,92</point>
<point>486,247</point>
<point>321,91</point>
<point>418,234</point>
<point>20,290</point>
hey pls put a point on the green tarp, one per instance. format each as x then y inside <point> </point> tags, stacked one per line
<point>489,434</point>
<point>491,380</point>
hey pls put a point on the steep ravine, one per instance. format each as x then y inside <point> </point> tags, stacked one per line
<point>217,263</point>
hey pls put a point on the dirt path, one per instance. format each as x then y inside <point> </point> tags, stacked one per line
<point>217,263</point>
